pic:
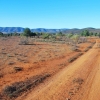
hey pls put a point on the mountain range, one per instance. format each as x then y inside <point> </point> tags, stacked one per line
<point>64,30</point>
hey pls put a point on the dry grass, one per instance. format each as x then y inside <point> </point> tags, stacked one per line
<point>74,57</point>
<point>18,88</point>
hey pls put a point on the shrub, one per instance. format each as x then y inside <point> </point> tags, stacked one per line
<point>18,69</point>
<point>74,57</point>
<point>24,41</point>
<point>45,36</point>
<point>86,50</point>
<point>1,75</point>
<point>11,63</point>
<point>89,47</point>
<point>73,48</point>
<point>78,81</point>
<point>18,88</point>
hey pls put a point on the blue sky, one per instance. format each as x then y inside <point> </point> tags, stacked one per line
<point>50,13</point>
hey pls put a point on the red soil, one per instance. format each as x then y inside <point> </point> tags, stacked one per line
<point>42,58</point>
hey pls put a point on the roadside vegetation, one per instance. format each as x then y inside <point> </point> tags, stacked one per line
<point>71,39</point>
<point>29,56</point>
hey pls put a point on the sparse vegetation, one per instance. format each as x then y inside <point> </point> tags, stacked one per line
<point>74,57</point>
<point>23,41</point>
<point>34,56</point>
<point>1,75</point>
<point>18,88</point>
<point>27,32</point>
<point>18,69</point>
<point>11,63</point>
<point>78,81</point>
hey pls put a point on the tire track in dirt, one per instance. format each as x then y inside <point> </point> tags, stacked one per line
<point>91,87</point>
<point>59,86</point>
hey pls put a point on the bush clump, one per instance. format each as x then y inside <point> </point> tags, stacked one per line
<point>18,69</point>
<point>74,57</point>
<point>24,41</point>
<point>18,88</point>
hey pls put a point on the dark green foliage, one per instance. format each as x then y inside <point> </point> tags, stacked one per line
<point>60,34</point>
<point>1,34</point>
<point>27,32</point>
<point>15,34</point>
<point>33,34</point>
<point>95,34</point>
<point>91,33</point>
<point>45,36</point>
<point>85,33</point>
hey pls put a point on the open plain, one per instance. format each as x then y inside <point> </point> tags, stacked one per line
<point>49,71</point>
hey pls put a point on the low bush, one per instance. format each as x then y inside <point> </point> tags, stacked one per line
<point>86,49</point>
<point>89,47</point>
<point>11,63</point>
<point>74,57</point>
<point>78,81</point>
<point>1,75</point>
<point>23,41</point>
<point>18,88</point>
<point>18,69</point>
<point>73,48</point>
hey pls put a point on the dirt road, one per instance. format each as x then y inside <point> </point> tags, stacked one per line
<point>78,81</point>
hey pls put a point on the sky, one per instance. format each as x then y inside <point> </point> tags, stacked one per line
<point>50,14</point>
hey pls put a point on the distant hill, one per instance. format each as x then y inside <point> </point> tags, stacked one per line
<point>11,29</point>
<point>20,30</point>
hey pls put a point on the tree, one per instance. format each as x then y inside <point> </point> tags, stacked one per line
<point>85,33</point>
<point>82,33</point>
<point>69,35</point>
<point>15,34</point>
<point>45,36</point>
<point>95,34</point>
<point>38,34</point>
<point>27,32</point>
<point>75,37</point>
<point>59,34</point>
<point>91,33</point>
<point>1,34</point>
<point>99,35</point>
<point>33,34</point>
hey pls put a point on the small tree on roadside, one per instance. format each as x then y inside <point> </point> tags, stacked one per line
<point>27,32</point>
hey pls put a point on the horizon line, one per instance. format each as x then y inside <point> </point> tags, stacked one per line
<point>46,28</point>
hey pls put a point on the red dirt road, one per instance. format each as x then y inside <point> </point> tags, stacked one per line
<point>78,81</point>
